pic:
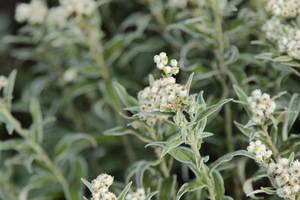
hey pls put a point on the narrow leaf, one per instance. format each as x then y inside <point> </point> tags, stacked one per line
<point>211,109</point>
<point>228,157</point>
<point>190,187</point>
<point>127,100</point>
<point>124,192</point>
<point>175,142</point>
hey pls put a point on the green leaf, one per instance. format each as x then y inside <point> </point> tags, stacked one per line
<point>127,100</point>
<point>166,188</point>
<point>190,187</point>
<point>88,185</point>
<point>218,184</point>
<point>228,157</point>
<point>246,131</point>
<point>6,117</point>
<point>288,144</point>
<point>149,196</point>
<point>124,192</point>
<point>282,59</point>
<point>292,115</point>
<point>37,119</point>
<point>211,109</point>
<point>119,131</point>
<point>188,83</point>
<point>182,154</point>
<point>175,142</point>
<point>240,93</point>
<point>11,144</point>
<point>151,79</point>
<point>8,89</point>
<point>291,158</point>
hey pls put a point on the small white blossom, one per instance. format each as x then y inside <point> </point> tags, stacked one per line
<point>284,192</point>
<point>3,81</point>
<point>70,74</point>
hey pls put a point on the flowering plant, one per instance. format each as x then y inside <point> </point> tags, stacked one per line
<point>156,94</point>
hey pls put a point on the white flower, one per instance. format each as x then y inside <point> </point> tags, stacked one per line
<point>284,192</point>
<point>268,154</point>
<point>256,94</point>
<point>160,65</point>
<point>174,63</point>
<point>22,12</point>
<point>156,59</point>
<point>38,12</point>
<point>57,17</point>
<point>70,75</point>
<point>175,70</point>
<point>295,188</point>
<point>282,179</point>
<point>3,81</point>
<point>284,162</point>
<point>167,69</point>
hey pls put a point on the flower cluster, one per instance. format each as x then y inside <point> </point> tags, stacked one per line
<point>138,195</point>
<point>161,61</point>
<point>37,12</point>
<point>287,177</point>
<point>163,94</point>
<point>261,106</point>
<point>259,149</point>
<point>286,37</point>
<point>100,188</point>
<point>34,12</point>
<point>3,81</point>
<point>283,8</point>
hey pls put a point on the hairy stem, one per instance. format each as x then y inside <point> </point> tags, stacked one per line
<point>205,173</point>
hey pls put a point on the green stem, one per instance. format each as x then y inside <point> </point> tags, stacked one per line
<point>224,68</point>
<point>271,145</point>
<point>205,174</point>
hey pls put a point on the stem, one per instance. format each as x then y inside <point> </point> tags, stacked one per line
<point>223,68</point>
<point>270,143</point>
<point>163,165</point>
<point>205,173</point>
<point>45,158</point>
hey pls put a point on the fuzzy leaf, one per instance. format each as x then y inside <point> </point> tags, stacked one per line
<point>175,142</point>
<point>8,89</point>
<point>246,131</point>
<point>166,188</point>
<point>149,196</point>
<point>294,108</point>
<point>188,83</point>
<point>36,113</point>
<point>88,185</point>
<point>124,192</point>
<point>228,157</point>
<point>127,100</point>
<point>190,187</point>
<point>211,109</point>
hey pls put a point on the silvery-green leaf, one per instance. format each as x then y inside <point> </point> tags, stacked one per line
<point>188,83</point>
<point>228,157</point>
<point>166,188</point>
<point>37,119</point>
<point>175,142</point>
<point>124,192</point>
<point>149,196</point>
<point>294,107</point>
<point>282,59</point>
<point>88,185</point>
<point>190,187</point>
<point>218,181</point>
<point>151,79</point>
<point>127,100</point>
<point>8,89</point>
<point>211,109</point>
<point>246,131</point>
<point>291,158</point>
